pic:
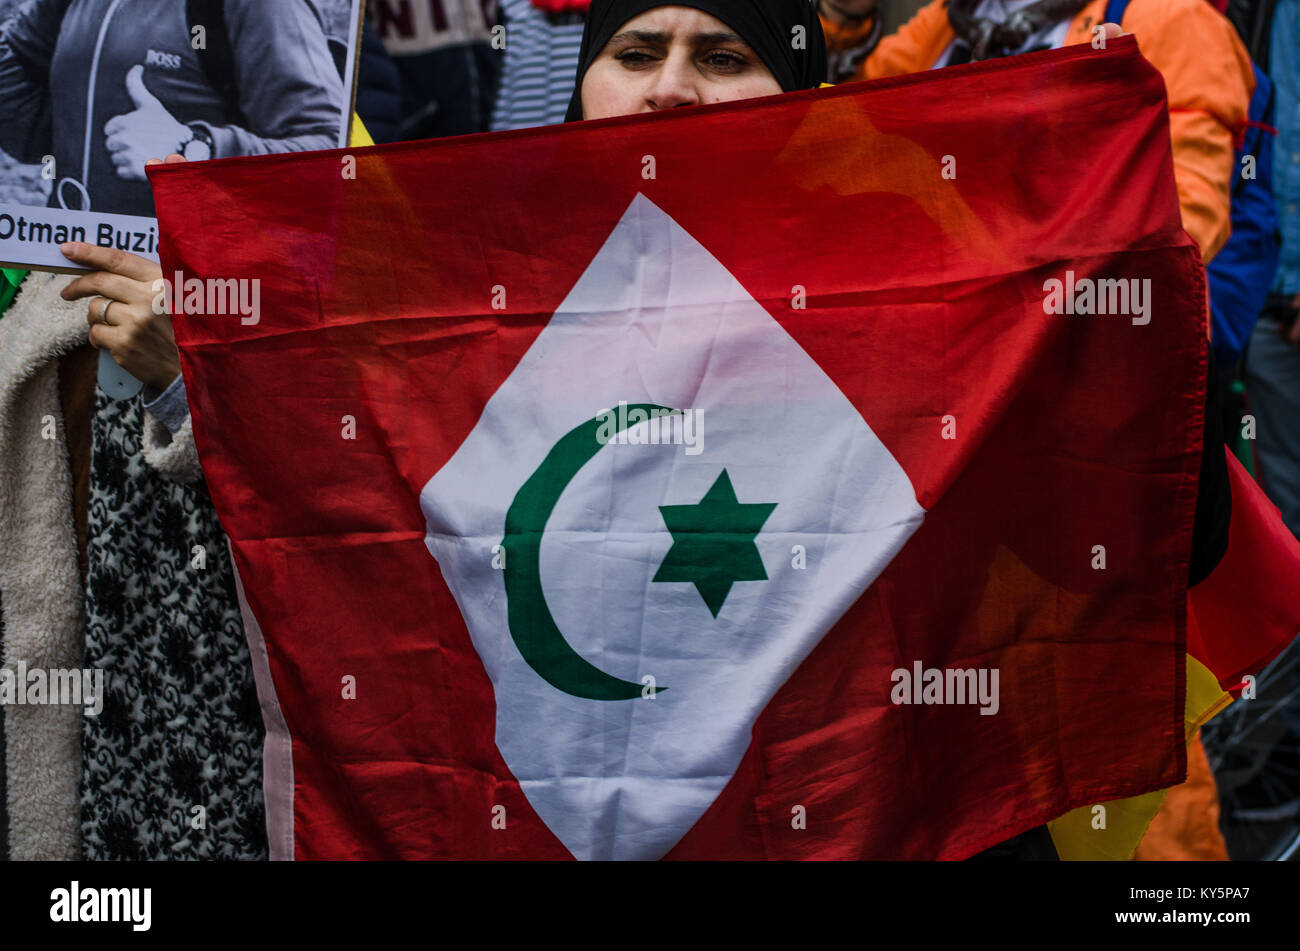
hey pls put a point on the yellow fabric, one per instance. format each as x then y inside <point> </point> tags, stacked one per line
<point>1207,74</point>
<point>1205,698</point>
<point>1127,820</point>
<point>359,134</point>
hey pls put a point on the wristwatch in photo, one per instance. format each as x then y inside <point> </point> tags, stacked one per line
<point>199,146</point>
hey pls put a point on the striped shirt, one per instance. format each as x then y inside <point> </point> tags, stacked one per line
<point>540,64</point>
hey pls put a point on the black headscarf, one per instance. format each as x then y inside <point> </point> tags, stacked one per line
<point>766,25</point>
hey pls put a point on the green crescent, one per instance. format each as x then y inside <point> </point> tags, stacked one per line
<point>534,630</point>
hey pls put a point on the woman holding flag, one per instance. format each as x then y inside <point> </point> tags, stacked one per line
<point>637,56</point>
<point>663,57</point>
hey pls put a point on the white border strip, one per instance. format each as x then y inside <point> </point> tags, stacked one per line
<point>277,751</point>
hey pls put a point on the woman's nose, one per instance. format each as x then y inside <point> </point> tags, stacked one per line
<point>674,85</point>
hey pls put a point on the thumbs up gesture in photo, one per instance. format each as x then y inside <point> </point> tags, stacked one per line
<point>149,130</point>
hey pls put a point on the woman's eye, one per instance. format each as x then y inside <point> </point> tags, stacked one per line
<point>725,61</point>
<point>634,57</point>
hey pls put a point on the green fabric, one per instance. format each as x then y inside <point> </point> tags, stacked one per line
<point>10,278</point>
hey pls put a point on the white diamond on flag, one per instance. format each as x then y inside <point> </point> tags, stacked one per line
<point>650,604</point>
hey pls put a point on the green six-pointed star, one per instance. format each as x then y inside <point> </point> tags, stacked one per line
<point>713,542</point>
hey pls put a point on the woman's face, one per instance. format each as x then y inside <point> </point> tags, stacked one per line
<point>672,56</point>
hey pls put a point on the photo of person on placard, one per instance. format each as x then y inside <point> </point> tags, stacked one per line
<point>90,89</point>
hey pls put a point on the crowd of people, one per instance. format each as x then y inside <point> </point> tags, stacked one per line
<point>103,528</point>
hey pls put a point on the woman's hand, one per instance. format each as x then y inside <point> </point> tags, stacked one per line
<point>121,315</point>
<point>121,312</point>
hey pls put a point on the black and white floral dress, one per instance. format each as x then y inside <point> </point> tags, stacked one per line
<point>172,766</point>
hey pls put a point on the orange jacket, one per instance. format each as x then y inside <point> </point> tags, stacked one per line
<point>1207,75</point>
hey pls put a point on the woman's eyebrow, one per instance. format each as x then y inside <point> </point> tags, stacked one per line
<point>661,38</point>
<point>642,36</point>
<point>702,39</point>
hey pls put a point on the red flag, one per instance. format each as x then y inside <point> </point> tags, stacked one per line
<point>928,440</point>
<point>1245,612</point>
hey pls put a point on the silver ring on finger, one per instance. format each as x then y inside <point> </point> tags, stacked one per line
<point>103,311</point>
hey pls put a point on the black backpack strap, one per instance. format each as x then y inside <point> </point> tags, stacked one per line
<point>1261,38</point>
<point>218,59</point>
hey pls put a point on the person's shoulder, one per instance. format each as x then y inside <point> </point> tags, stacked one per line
<point>1198,51</point>
<point>1156,13</point>
<point>277,10</point>
<point>1187,30</point>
